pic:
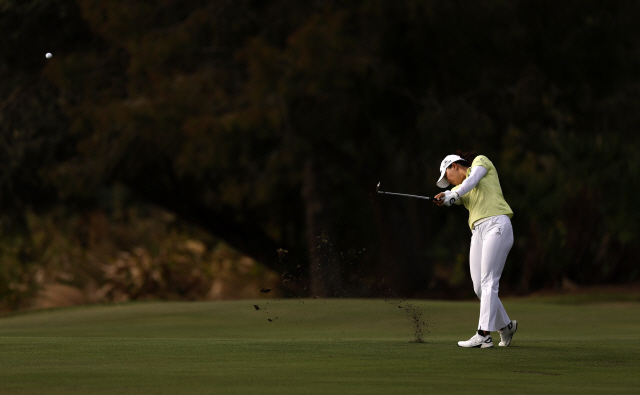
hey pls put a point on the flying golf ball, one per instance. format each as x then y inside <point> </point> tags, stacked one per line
<point>48,55</point>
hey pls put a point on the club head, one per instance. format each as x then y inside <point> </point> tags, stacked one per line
<point>378,187</point>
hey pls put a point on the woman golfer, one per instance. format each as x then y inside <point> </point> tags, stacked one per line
<point>476,185</point>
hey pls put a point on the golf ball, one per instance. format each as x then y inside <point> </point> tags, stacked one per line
<point>48,55</point>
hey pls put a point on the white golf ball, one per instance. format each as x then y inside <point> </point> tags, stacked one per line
<point>48,55</point>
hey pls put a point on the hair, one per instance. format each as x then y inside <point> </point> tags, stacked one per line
<point>467,157</point>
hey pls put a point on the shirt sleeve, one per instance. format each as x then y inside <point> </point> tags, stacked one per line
<point>477,172</point>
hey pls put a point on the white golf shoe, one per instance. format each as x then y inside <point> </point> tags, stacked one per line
<point>477,341</point>
<point>506,334</point>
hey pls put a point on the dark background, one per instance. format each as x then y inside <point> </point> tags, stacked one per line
<point>266,125</point>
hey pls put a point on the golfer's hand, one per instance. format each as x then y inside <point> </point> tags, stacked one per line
<point>450,197</point>
<point>438,199</point>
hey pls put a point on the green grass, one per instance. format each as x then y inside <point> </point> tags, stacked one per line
<point>339,346</point>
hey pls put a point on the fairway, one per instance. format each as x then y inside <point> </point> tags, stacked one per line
<point>317,346</point>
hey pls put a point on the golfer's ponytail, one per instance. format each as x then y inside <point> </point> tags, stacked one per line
<point>467,156</point>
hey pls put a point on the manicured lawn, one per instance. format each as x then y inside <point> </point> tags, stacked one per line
<point>336,346</point>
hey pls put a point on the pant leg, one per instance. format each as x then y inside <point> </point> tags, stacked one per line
<point>497,240</point>
<point>475,261</point>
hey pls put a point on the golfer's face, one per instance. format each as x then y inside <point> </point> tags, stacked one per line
<point>448,175</point>
<point>453,175</point>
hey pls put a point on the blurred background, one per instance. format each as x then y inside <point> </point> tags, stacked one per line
<point>200,149</point>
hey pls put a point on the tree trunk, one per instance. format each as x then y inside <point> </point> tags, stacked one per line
<point>325,278</point>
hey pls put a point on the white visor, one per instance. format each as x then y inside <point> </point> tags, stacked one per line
<point>446,162</point>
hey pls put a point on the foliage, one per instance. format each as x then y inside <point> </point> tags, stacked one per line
<point>269,124</point>
<point>120,252</point>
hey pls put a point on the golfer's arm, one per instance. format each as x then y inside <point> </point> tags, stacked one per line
<point>477,172</point>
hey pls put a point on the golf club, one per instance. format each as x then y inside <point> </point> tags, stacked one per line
<point>402,194</point>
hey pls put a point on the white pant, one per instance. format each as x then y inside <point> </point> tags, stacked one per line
<point>490,245</point>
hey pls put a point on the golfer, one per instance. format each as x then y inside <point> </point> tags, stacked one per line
<point>477,187</point>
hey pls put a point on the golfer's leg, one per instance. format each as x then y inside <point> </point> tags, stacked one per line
<point>498,240</point>
<point>475,260</point>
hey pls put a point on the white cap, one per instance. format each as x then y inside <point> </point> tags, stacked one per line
<point>446,162</point>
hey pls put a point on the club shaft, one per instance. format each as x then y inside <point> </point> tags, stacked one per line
<point>404,194</point>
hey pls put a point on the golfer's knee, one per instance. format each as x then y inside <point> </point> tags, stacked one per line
<point>478,291</point>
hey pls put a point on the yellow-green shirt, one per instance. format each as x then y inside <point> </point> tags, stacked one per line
<point>486,199</point>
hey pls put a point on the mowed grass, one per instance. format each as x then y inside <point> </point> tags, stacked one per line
<point>317,346</point>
